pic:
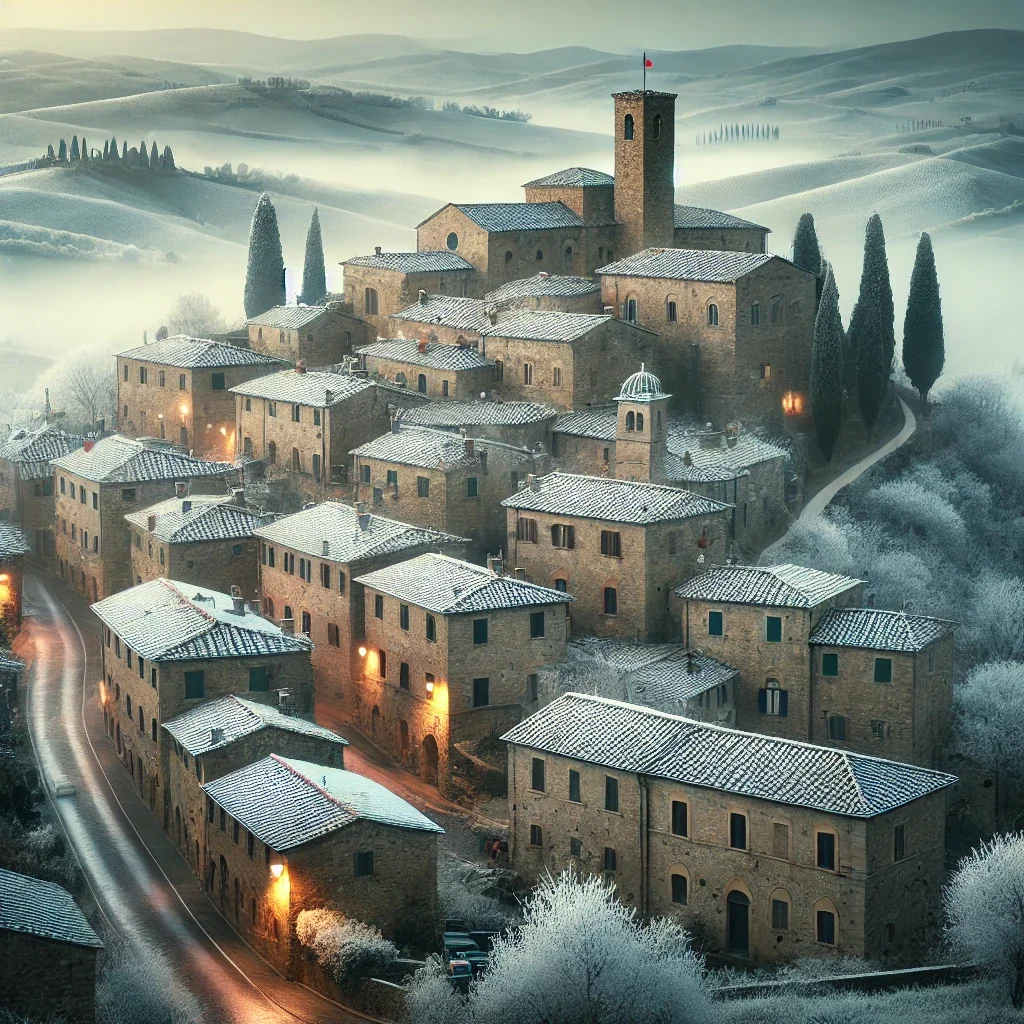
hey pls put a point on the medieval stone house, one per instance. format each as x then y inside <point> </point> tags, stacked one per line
<point>560,292</point>
<point>523,424</point>
<point>318,336</point>
<point>431,369</point>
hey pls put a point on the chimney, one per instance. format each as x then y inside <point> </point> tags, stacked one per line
<point>495,564</point>
<point>543,274</point>
<point>423,297</point>
<point>151,523</point>
<point>468,442</point>
<point>609,311</point>
<point>88,445</point>
<point>326,548</point>
<point>238,496</point>
<point>421,345</point>
<point>237,601</point>
<point>364,521</point>
<point>532,482</point>
<point>288,627</point>
<point>256,606</point>
<point>687,461</point>
<point>216,736</point>
<point>492,316</point>
<point>376,250</point>
<point>300,366</point>
<point>360,507</point>
<point>186,506</point>
<point>519,572</point>
<point>396,425</point>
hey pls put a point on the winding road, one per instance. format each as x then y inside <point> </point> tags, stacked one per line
<point>144,891</point>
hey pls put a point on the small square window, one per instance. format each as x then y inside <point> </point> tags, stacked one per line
<point>479,631</point>
<point>611,794</point>
<point>780,916</point>
<point>773,629</point>
<point>481,693</point>
<point>217,382</point>
<point>738,831</point>
<point>536,835</point>
<point>195,684</point>
<point>877,729</point>
<point>715,626</point>
<point>532,686</point>
<point>883,670</point>
<point>537,774</point>
<point>826,858</point>
<point>576,848</point>
<point>610,859</point>
<point>378,606</point>
<point>364,474</point>
<point>836,727</point>
<point>830,664</point>
<point>472,487</point>
<point>574,786</point>
<point>364,864</point>
<point>423,487</point>
<point>536,625</point>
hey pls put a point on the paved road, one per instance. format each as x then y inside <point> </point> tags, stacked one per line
<point>145,892</point>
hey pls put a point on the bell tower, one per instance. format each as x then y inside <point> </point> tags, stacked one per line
<point>645,141</point>
<point>641,432</point>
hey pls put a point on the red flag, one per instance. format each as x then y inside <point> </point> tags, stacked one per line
<point>648,63</point>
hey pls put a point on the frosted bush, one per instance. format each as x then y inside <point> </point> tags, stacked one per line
<point>349,951</point>
<point>997,631</point>
<point>461,895</point>
<point>989,710</point>
<point>137,987</point>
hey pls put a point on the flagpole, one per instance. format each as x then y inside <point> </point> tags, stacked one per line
<point>645,71</point>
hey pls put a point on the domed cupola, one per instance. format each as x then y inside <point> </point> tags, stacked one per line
<point>642,386</point>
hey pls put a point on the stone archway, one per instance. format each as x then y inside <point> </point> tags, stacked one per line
<point>428,765</point>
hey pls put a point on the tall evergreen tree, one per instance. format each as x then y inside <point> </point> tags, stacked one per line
<point>74,155</point>
<point>167,163</point>
<point>874,309</point>
<point>62,152</point>
<point>924,350</point>
<point>264,275</point>
<point>827,367</point>
<point>806,251</point>
<point>50,153</point>
<point>314,273</point>
<point>872,372</point>
<point>106,149</point>
<point>154,158</point>
<point>143,154</point>
<point>113,150</point>
<point>85,149</point>
<point>124,152</point>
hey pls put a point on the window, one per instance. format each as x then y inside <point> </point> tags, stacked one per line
<point>537,775</point>
<point>296,461</point>
<point>403,616</point>
<point>630,421</point>
<point>556,376</point>
<point>640,422</point>
<point>715,624</point>
<point>272,410</point>
<point>382,664</point>
<point>431,629</point>
<point>826,927</point>
<point>780,916</point>
<point>575,847</point>
<point>671,314</point>
<point>128,654</point>
<point>611,543</point>
<point>883,670</point>
<point>296,414</point>
<point>527,373</point>
<point>611,601</point>
<point>830,664</point>
<point>563,536</point>
<point>680,818</point>
<point>127,493</point>
<point>627,128</point>
<point>536,625</point>
<point>181,382</point>
<point>712,315</point>
<point>836,727</point>
<point>479,631</point>
<point>561,585</point>
<point>125,371</point>
<point>481,693</point>
<point>153,729</point>
<point>737,831</point>
<point>272,452</point>
<point>250,848</point>
<point>508,259</point>
<point>499,369</point>
<point>656,127</point>
<point>364,864</point>
<point>780,840</point>
<point>472,487</point>
<point>333,635</point>
<point>423,487</point>
<point>826,856</point>
<point>611,794</point>
<point>403,675</point>
<point>143,375</point>
<point>776,306</point>
<point>773,629</point>
<point>444,389</point>
<point>606,455</point>
<point>877,729</point>
<point>609,858</point>
<point>526,530</point>
<point>452,241</point>
<point>532,681</point>
<point>679,889</point>
<point>899,842</point>
<point>755,314</point>
<point>378,606</point>
<point>364,474</point>
<point>536,835</point>
<point>325,576</point>
<point>371,302</point>
<point>307,623</point>
<point>217,382</point>
<point>195,684</point>
<point>771,700</point>
<point>766,371</point>
<point>540,255</point>
<point>574,786</point>
<point>421,383</point>
<point>142,667</point>
<point>631,313</point>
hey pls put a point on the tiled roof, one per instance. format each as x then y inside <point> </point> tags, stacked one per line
<point>337,526</point>
<point>781,586</point>
<point>289,318</point>
<point>237,717</point>
<point>544,325</point>
<point>700,217</point>
<point>425,447</point>
<point>449,586</point>
<point>433,354</point>
<point>13,542</point>
<point>196,353</point>
<point>558,285</point>
<point>520,216</point>
<point>572,177</point>
<point>204,517</point>
<point>167,621</point>
<point>689,264</point>
<point>629,738</point>
<point>35,907</point>
<point>10,662</point>
<point>711,452</point>
<point>599,422</point>
<point>119,459</point>
<point>285,802</point>
<point>32,450</point>
<point>411,262</point>
<point>878,629</point>
<point>619,501</point>
<point>447,311</point>
<point>452,415</point>
<point>309,387</point>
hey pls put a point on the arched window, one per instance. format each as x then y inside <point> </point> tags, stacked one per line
<point>371,302</point>
<point>540,255</point>
<point>671,310</point>
<point>272,452</point>
<point>738,922</point>
<point>776,309</point>
<point>630,421</point>
<point>508,256</point>
<point>679,885</point>
<point>453,241</point>
<point>631,313</point>
<point>307,623</point>
<point>826,923</point>
<point>656,128</point>
<point>640,422</point>
<point>421,383</point>
<point>755,314</point>
<point>772,700</point>
<point>712,314</point>
<point>568,255</point>
<point>781,902</point>
<point>627,128</point>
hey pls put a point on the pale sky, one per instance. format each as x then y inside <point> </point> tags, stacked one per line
<point>540,24</point>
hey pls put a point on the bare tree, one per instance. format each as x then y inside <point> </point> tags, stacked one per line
<point>83,386</point>
<point>195,315</point>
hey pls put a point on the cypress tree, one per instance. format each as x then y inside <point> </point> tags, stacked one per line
<point>124,152</point>
<point>106,150</point>
<point>264,275</point>
<point>924,351</point>
<point>113,150</point>
<point>167,164</point>
<point>143,154</point>
<point>75,154</point>
<point>85,149</point>
<point>806,251</point>
<point>874,309</point>
<point>871,366</point>
<point>154,158</point>
<point>827,367</point>
<point>50,153</point>
<point>314,273</point>
<point>62,153</point>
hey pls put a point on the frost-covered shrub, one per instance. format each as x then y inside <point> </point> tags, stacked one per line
<point>462,894</point>
<point>989,709</point>
<point>998,628</point>
<point>985,912</point>
<point>349,951</point>
<point>138,987</point>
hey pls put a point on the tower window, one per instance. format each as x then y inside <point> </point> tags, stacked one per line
<point>630,421</point>
<point>540,255</point>
<point>508,256</point>
<point>712,315</point>
<point>670,312</point>
<point>640,421</point>
<point>453,241</point>
<point>371,302</point>
<point>627,128</point>
<point>656,128</point>
<point>630,310</point>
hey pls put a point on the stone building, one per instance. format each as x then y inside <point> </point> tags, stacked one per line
<point>379,285</point>
<point>179,389</point>
<point>47,952</point>
<point>13,549</point>
<point>450,654</point>
<point>618,546</point>
<point>698,228</point>
<point>316,335</point>
<point>167,647</point>
<point>442,319</point>
<point>523,424</point>
<point>285,835</point>
<point>734,328</point>
<point>26,483</point>
<point>560,292</point>
<point>432,478</point>
<point>100,483</point>
<point>760,618</point>
<point>213,739</point>
<point>771,849</point>
<point>206,540</point>
<point>303,423</point>
<point>309,564</point>
<point>429,368</point>
<point>882,683</point>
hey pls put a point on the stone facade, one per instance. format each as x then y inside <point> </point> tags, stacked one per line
<point>30,504</point>
<point>319,336</point>
<point>219,564</point>
<point>42,977</point>
<point>752,239</point>
<point>434,382</point>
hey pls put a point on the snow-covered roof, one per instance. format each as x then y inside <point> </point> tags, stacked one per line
<point>700,217</point>
<point>32,450</point>
<point>317,388</point>
<point>431,354</point>
<point>630,738</point>
<point>289,318</point>
<point>286,802</point>
<point>499,217</point>
<point>779,586</point>
<point>411,262</point>
<point>453,415</point>
<point>460,314</point>
<point>546,325</point>
<point>598,422</point>
<point>714,452</point>
<point>195,353</point>
<point>119,459</point>
<point>34,907</point>
<point>203,517</point>
<point>13,543</point>
<point>561,286</point>
<point>449,586</point>
<point>879,629</point>
<point>426,448</point>
<point>572,177</point>
<point>689,264</point>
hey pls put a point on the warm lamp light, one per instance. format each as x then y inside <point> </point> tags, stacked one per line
<point>4,578</point>
<point>793,403</point>
<point>362,652</point>
<point>224,431</point>
<point>184,410</point>
<point>430,688</point>
<point>159,415</point>
<point>277,870</point>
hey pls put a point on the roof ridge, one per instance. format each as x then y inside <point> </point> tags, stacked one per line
<point>315,785</point>
<point>864,802</point>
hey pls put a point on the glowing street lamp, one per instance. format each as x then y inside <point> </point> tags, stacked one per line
<point>430,688</point>
<point>276,865</point>
<point>793,403</point>
<point>362,652</point>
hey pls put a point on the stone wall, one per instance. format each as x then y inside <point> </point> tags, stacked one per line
<point>397,290</point>
<point>30,504</point>
<point>472,245</point>
<point>213,563</point>
<point>589,456</point>
<point>727,239</point>
<point>40,977</point>
<point>463,385</point>
<point>323,343</point>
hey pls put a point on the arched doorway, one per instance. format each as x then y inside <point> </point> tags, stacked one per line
<point>429,764</point>
<point>738,923</point>
<point>374,721</point>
